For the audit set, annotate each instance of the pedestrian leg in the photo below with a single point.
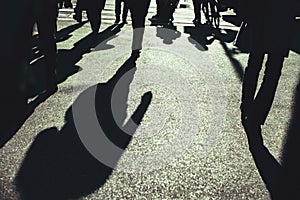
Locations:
(266, 93)
(125, 12)
(197, 11)
(117, 10)
(249, 85)
(47, 27)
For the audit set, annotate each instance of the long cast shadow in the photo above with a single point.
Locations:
(228, 37)
(199, 35)
(58, 165)
(36, 75)
(282, 180)
(60, 36)
(66, 59)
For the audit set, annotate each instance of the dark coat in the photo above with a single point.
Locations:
(271, 24)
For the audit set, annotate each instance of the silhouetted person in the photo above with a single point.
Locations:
(65, 3)
(80, 6)
(118, 11)
(45, 15)
(94, 9)
(165, 10)
(139, 11)
(197, 11)
(170, 9)
(15, 43)
(158, 10)
(15, 46)
(270, 24)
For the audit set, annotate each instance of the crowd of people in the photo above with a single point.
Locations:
(266, 39)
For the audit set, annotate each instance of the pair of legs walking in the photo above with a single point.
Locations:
(118, 4)
(46, 23)
(165, 10)
(197, 10)
(138, 10)
(256, 107)
(94, 9)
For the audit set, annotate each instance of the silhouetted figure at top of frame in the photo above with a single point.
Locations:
(164, 12)
(94, 10)
(270, 31)
(45, 15)
(65, 4)
(118, 5)
(197, 11)
(139, 11)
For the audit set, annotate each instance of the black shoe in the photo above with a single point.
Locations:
(77, 17)
(155, 18)
(117, 20)
(197, 21)
(135, 54)
(124, 21)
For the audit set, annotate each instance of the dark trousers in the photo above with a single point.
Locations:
(118, 9)
(166, 8)
(45, 15)
(47, 27)
(94, 9)
(94, 16)
(160, 5)
(260, 104)
(197, 8)
(139, 11)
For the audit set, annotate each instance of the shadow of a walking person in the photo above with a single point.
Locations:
(60, 164)
(66, 62)
(201, 36)
(281, 180)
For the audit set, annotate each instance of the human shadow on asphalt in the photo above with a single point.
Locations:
(228, 36)
(203, 35)
(167, 33)
(60, 36)
(281, 179)
(58, 164)
(65, 33)
(35, 74)
(66, 60)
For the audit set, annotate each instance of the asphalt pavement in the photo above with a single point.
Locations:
(185, 89)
